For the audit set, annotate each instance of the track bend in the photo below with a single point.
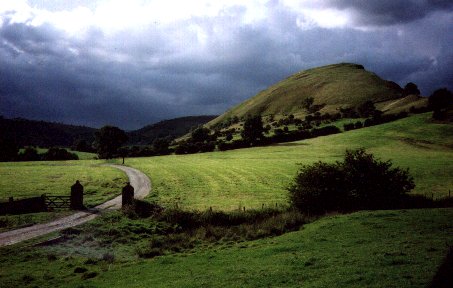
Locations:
(142, 187)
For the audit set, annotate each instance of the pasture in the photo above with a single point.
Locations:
(394, 248)
(29, 179)
(256, 176)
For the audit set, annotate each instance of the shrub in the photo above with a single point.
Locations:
(89, 275)
(374, 184)
(348, 126)
(316, 188)
(80, 270)
(359, 182)
(358, 125)
(324, 131)
(58, 154)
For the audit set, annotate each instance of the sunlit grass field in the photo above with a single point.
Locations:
(246, 177)
(256, 176)
(400, 248)
(30, 179)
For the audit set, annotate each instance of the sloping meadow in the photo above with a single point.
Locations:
(257, 177)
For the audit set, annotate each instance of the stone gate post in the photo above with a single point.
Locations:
(127, 195)
(76, 196)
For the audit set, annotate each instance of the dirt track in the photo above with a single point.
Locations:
(140, 182)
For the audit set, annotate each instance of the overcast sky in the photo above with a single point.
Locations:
(132, 63)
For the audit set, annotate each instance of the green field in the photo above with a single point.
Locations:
(247, 177)
(395, 248)
(366, 249)
(398, 248)
(256, 176)
(30, 179)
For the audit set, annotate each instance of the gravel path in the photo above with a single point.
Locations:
(140, 182)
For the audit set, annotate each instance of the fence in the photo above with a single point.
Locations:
(35, 204)
(28, 205)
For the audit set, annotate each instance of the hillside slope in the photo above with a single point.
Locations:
(172, 128)
(255, 176)
(332, 86)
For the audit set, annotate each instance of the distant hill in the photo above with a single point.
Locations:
(46, 134)
(331, 87)
(43, 134)
(168, 128)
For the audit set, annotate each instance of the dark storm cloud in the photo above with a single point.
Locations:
(203, 65)
(388, 12)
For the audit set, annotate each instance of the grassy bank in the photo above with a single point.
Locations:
(397, 248)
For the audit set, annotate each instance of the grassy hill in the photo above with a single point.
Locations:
(333, 86)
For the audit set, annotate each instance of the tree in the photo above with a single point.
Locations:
(82, 146)
(55, 153)
(253, 130)
(160, 146)
(411, 89)
(359, 182)
(8, 150)
(229, 137)
(108, 140)
(29, 154)
(307, 102)
(201, 134)
(440, 100)
(123, 152)
(366, 109)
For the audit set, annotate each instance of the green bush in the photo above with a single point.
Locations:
(359, 182)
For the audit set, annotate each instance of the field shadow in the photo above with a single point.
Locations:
(444, 275)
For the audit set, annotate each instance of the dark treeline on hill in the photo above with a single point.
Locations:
(25, 132)
(11, 152)
(43, 134)
(172, 128)
(254, 132)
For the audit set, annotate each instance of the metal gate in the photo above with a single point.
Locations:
(57, 201)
